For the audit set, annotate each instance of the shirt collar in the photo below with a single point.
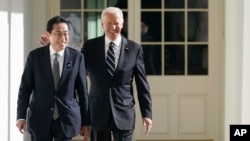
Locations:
(52, 51)
(117, 41)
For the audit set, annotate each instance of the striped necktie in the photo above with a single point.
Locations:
(110, 61)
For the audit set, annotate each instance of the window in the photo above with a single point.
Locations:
(174, 33)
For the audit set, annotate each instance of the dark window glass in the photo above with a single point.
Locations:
(174, 60)
(174, 3)
(123, 4)
(70, 4)
(152, 26)
(152, 59)
(147, 4)
(124, 31)
(197, 26)
(93, 4)
(174, 26)
(197, 3)
(197, 59)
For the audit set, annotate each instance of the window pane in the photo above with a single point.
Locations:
(75, 26)
(174, 60)
(197, 3)
(197, 26)
(198, 59)
(92, 25)
(94, 4)
(123, 4)
(70, 4)
(174, 3)
(150, 4)
(124, 31)
(152, 59)
(151, 26)
(174, 26)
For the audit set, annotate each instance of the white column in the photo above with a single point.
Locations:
(237, 67)
(16, 62)
(16, 28)
(233, 66)
(246, 62)
(4, 75)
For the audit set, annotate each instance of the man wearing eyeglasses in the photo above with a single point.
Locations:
(55, 75)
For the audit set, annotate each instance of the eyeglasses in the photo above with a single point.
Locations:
(59, 34)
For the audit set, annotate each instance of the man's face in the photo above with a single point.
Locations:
(112, 25)
(59, 36)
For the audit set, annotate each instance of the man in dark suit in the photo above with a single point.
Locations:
(112, 104)
(43, 97)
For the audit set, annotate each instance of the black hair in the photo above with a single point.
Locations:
(56, 20)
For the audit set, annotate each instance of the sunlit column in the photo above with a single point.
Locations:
(4, 75)
(246, 63)
(232, 66)
(16, 63)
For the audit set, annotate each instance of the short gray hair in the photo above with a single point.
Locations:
(114, 10)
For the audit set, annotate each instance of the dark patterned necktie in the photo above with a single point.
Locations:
(110, 61)
(56, 72)
(56, 77)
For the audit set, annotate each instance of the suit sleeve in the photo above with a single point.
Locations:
(143, 90)
(25, 89)
(84, 52)
(81, 86)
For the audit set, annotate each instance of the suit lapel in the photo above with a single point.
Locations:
(100, 54)
(47, 71)
(67, 65)
(102, 51)
(123, 51)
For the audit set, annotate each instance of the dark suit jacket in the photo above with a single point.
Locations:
(71, 96)
(116, 94)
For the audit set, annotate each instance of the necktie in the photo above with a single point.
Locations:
(56, 77)
(56, 72)
(110, 61)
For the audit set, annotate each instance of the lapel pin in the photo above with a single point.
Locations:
(69, 64)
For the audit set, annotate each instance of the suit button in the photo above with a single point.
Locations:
(51, 109)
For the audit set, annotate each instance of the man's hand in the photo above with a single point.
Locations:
(44, 39)
(85, 132)
(21, 125)
(148, 123)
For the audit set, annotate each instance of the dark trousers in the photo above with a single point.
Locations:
(101, 135)
(56, 133)
(105, 135)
